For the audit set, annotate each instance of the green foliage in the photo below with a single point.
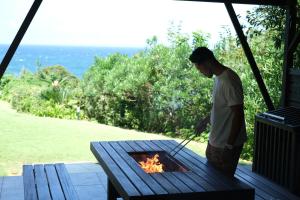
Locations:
(272, 19)
(157, 90)
(51, 91)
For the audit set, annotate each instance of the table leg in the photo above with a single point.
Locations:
(112, 194)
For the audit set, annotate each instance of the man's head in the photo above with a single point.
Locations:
(203, 59)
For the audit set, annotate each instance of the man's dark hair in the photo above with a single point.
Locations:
(201, 54)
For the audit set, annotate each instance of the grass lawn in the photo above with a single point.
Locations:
(29, 139)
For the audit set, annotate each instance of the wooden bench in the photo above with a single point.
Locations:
(47, 181)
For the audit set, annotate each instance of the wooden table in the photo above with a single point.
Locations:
(128, 180)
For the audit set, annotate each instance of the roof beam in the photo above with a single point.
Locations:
(250, 56)
(21, 32)
(254, 2)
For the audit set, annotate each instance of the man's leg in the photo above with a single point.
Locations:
(227, 165)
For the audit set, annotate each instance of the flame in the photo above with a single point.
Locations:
(152, 164)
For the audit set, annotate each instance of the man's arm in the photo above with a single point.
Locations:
(237, 122)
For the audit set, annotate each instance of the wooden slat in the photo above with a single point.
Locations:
(201, 172)
(182, 186)
(267, 183)
(235, 184)
(172, 189)
(134, 146)
(259, 189)
(189, 182)
(207, 186)
(194, 178)
(146, 146)
(209, 174)
(156, 187)
(29, 183)
(41, 182)
(54, 184)
(66, 184)
(135, 179)
(236, 189)
(169, 187)
(274, 141)
(115, 174)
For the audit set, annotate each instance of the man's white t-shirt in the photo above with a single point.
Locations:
(227, 91)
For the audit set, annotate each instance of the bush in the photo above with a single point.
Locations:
(156, 90)
(51, 91)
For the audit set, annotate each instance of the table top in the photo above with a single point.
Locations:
(201, 180)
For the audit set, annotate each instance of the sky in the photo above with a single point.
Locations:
(121, 23)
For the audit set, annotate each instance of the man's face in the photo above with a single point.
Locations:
(204, 69)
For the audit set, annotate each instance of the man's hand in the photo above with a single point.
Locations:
(202, 124)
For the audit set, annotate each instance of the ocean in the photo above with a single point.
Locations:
(74, 58)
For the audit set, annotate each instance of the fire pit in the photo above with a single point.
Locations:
(145, 170)
(157, 162)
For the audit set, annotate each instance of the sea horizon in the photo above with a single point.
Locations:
(76, 59)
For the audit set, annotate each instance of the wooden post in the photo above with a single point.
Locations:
(112, 194)
(249, 56)
(14, 45)
(290, 28)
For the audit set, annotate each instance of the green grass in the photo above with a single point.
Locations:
(29, 139)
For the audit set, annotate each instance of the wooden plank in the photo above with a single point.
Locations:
(169, 176)
(198, 179)
(189, 182)
(267, 183)
(133, 145)
(66, 183)
(180, 185)
(113, 171)
(127, 169)
(156, 187)
(29, 183)
(209, 174)
(259, 191)
(257, 197)
(172, 189)
(41, 182)
(233, 187)
(168, 186)
(201, 173)
(235, 184)
(146, 145)
(54, 184)
(189, 178)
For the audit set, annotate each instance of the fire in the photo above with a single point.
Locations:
(152, 164)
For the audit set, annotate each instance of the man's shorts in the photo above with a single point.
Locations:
(225, 161)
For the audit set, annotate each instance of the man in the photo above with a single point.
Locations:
(228, 132)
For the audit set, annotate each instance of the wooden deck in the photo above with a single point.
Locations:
(90, 182)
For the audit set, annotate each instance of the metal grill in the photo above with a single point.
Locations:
(277, 147)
